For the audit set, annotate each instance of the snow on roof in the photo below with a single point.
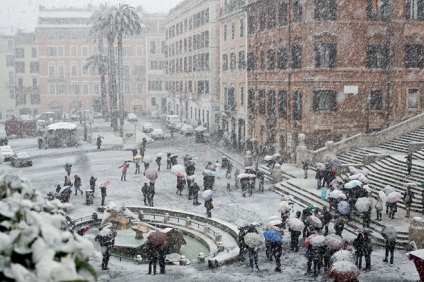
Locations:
(65, 14)
(62, 125)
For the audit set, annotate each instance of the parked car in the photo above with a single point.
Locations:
(21, 159)
(157, 133)
(97, 115)
(178, 126)
(187, 129)
(7, 152)
(132, 117)
(147, 127)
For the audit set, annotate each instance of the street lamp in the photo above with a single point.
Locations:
(367, 129)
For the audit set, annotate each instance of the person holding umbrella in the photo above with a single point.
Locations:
(253, 242)
(150, 194)
(195, 193)
(389, 234)
(358, 244)
(153, 256)
(93, 184)
(124, 167)
(367, 250)
(273, 241)
(180, 183)
(159, 161)
(408, 197)
(338, 225)
(106, 238)
(207, 197)
(326, 218)
(103, 191)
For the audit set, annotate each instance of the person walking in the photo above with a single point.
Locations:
(195, 190)
(137, 166)
(145, 191)
(168, 161)
(318, 177)
(209, 207)
(77, 184)
(106, 238)
(326, 218)
(261, 178)
(408, 164)
(253, 257)
(68, 168)
(408, 197)
(103, 194)
(276, 252)
(67, 182)
(358, 244)
(392, 209)
(99, 142)
(134, 152)
(124, 167)
(150, 194)
(236, 181)
(153, 256)
(40, 143)
(390, 248)
(294, 240)
(142, 150)
(93, 184)
(158, 161)
(367, 249)
(305, 168)
(162, 255)
(366, 218)
(180, 184)
(338, 225)
(379, 208)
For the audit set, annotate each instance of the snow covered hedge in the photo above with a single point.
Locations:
(32, 245)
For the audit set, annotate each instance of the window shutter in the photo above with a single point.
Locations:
(333, 100)
(317, 56)
(316, 101)
(333, 55)
(408, 9)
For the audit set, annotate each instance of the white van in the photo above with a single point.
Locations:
(171, 120)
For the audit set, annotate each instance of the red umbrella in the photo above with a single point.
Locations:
(308, 240)
(180, 174)
(334, 242)
(105, 183)
(151, 174)
(157, 238)
(343, 271)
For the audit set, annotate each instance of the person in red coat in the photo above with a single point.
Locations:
(124, 167)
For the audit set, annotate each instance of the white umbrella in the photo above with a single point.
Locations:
(147, 159)
(207, 195)
(363, 179)
(364, 171)
(253, 240)
(159, 155)
(246, 175)
(191, 177)
(275, 222)
(268, 158)
(177, 168)
(342, 255)
(295, 224)
(318, 241)
(367, 187)
(352, 169)
(200, 128)
(362, 204)
(336, 194)
(394, 197)
(355, 176)
(314, 221)
(320, 166)
(382, 195)
(283, 206)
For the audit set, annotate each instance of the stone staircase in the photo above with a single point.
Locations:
(354, 156)
(401, 144)
(305, 197)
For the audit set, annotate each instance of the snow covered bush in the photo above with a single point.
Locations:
(32, 245)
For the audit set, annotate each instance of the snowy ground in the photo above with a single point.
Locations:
(229, 206)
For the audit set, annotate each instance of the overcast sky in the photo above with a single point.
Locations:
(23, 13)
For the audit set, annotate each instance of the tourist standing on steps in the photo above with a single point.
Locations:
(326, 218)
(124, 167)
(408, 197)
(358, 244)
(318, 177)
(379, 208)
(408, 164)
(145, 191)
(367, 251)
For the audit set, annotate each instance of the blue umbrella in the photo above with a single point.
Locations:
(214, 173)
(343, 207)
(273, 235)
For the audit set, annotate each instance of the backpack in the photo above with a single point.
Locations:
(407, 199)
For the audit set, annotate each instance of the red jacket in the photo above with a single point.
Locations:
(124, 167)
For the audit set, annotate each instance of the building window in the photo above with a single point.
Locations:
(34, 52)
(73, 51)
(281, 58)
(261, 102)
(11, 94)
(241, 27)
(414, 9)
(96, 88)
(233, 30)
(34, 67)
(325, 55)
(11, 78)
(271, 59)
(262, 59)
(378, 10)
(20, 67)
(241, 60)
(10, 61)
(271, 16)
(51, 52)
(224, 62)
(251, 24)
(413, 96)
(60, 51)
(251, 101)
(297, 105)
(225, 32)
(84, 51)
(19, 53)
(60, 89)
(233, 61)
(74, 70)
(377, 56)
(250, 61)
(127, 89)
(52, 89)
(262, 21)
(325, 10)
(51, 72)
(282, 14)
(61, 71)
(34, 82)
(153, 101)
(376, 101)
(297, 56)
(297, 10)
(152, 47)
(85, 89)
(74, 89)
(414, 56)
(325, 100)
(241, 95)
(282, 104)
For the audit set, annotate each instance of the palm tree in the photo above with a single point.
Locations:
(103, 26)
(127, 23)
(100, 61)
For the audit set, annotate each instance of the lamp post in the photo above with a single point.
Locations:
(367, 129)
(85, 127)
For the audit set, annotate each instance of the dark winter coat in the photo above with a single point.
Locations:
(145, 189)
(367, 246)
(180, 183)
(158, 160)
(326, 218)
(93, 181)
(195, 189)
(77, 181)
(305, 213)
(103, 191)
(208, 204)
(408, 200)
(358, 244)
(339, 224)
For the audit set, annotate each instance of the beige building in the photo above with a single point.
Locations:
(233, 74)
(7, 74)
(192, 42)
(26, 74)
